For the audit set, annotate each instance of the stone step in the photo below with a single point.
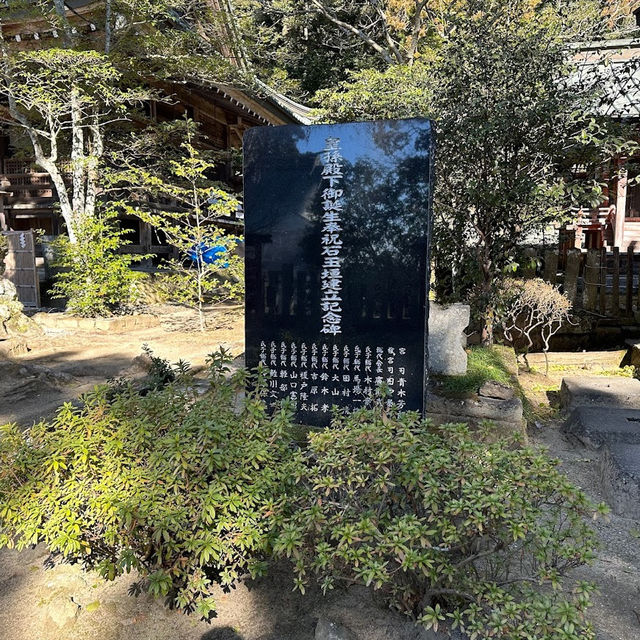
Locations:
(582, 359)
(596, 426)
(506, 415)
(602, 391)
(620, 478)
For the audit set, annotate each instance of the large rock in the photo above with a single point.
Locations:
(8, 289)
(601, 391)
(634, 351)
(12, 321)
(620, 478)
(447, 340)
(595, 426)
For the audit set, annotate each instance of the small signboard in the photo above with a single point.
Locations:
(337, 224)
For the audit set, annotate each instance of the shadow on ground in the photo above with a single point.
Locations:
(226, 633)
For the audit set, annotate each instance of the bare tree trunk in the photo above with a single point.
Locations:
(95, 153)
(66, 209)
(61, 10)
(78, 169)
(107, 27)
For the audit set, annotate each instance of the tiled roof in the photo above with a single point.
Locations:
(611, 68)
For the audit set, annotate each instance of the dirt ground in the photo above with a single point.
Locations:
(64, 603)
(63, 363)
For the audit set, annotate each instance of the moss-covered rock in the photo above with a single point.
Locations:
(12, 319)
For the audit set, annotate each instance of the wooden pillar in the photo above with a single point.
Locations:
(629, 289)
(621, 203)
(603, 281)
(551, 266)
(615, 288)
(592, 279)
(571, 274)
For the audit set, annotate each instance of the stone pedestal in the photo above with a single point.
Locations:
(447, 340)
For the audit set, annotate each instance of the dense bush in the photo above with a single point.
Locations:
(95, 277)
(196, 488)
(447, 527)
(178, 485)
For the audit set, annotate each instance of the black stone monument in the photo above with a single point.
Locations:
(337, 223)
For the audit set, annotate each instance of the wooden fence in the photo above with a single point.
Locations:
(597, 281)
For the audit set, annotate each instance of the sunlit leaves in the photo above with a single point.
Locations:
(173, 483)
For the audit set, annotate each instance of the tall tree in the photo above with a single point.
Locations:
(63, 100)
(512, 120)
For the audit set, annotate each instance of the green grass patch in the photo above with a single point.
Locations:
(485, 364)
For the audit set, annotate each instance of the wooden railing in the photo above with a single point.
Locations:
(25, 188)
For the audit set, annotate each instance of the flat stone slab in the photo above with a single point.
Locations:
(584, 359)
(595, 426)
(600, 391)
(620, 478)
(114, 325)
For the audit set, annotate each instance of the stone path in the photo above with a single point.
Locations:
(604, 414)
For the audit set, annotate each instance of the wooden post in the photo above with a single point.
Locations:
(615, 292)
(621, 203)
(638, 299)
(21, 267)
(591, 279)
(629, 289)
(571, 274)
(551, 266)
(603, 281)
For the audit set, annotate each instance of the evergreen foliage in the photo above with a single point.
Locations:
(94, 276)
(195, 489)
(448, 528)
(171, 483)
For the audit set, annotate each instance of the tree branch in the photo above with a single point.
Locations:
(350, 29)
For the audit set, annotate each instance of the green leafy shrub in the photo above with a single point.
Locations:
(179, 485)
(94, 277)
(447, 527)
(4, 251)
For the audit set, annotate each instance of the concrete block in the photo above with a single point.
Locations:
(620, 478)
(603, 391)
(595, 426)
(447, 340)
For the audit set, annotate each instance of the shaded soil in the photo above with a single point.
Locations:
(65, 603)
(616, 570)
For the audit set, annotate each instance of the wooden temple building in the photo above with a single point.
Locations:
(615, 224)
(27, 195)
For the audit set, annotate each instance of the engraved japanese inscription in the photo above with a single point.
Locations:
(337, 238)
